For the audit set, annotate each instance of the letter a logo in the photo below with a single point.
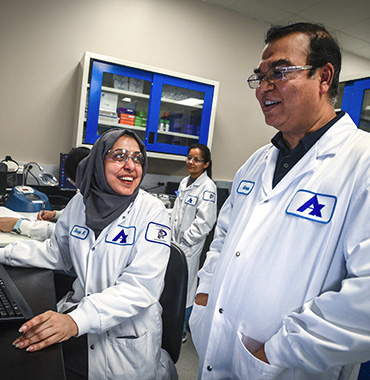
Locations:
(314, 205)
(121, 237)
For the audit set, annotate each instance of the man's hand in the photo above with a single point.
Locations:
(46, 329)
(260, 354)
(7, 224)
(201, 299)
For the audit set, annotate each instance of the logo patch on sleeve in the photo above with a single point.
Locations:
(209, 196)
(309, 205)
(158, 233)
(191, 200)
(79, 232)
(245, 187)
(121, 235)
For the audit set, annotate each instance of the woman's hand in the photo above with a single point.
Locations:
(46, 215)
(7, 224)
(46, 329)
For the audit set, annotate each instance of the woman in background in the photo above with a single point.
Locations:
(194, 215)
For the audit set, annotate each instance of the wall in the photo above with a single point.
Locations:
(42, 42)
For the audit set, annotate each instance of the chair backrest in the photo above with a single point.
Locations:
(173, 301)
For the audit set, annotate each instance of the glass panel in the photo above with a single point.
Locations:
(124, 104)
(180, 116)
(365, 112)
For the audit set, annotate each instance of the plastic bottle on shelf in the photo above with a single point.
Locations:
(161, 125)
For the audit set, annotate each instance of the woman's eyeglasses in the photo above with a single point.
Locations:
(121, 156)
(195, 159)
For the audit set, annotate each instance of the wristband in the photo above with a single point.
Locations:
(17, 225)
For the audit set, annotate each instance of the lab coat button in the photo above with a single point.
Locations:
(209, 368)
(93, 248)
(220, 310)
(237, 254)
(266, 200)
(92, 346)
(286, 166)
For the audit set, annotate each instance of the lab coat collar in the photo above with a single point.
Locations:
(198, 181)
(328, 144)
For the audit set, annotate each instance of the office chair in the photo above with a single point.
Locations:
(173, 301)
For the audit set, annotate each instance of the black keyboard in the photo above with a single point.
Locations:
(13, 306)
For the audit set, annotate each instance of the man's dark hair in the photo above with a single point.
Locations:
(323, 48)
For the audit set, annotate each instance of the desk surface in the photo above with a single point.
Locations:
(37, 287)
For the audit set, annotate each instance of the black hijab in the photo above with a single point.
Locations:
(103, 205)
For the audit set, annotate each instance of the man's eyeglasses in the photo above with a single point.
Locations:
(195, 159)
(276, 75)
(121, 156)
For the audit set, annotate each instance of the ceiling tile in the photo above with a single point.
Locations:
(364, 52)
(291, 6)
(338, 14)
(359, 30)
(348, 42)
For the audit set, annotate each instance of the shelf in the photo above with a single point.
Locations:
(125, 92)
(142, 129)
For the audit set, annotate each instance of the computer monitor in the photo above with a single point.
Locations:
(64, 184)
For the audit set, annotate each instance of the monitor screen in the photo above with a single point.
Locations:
(64, 184)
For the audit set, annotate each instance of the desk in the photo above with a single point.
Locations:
(37, 287)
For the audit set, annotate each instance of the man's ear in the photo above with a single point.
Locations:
(326, 78)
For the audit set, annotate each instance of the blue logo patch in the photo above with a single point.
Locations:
(79, 232)
(158, 233)
(191, 200)
(312, 206)
(245, 187)
(209, 196)
(121, 235)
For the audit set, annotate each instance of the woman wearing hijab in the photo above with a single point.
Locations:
(116, 238)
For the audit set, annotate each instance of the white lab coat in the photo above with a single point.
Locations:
(290, 267)
(120, 277)
(193, 216)
(39, 229)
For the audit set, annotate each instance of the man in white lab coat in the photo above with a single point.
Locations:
(284, 292)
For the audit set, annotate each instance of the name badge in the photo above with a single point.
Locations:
(158, 233)
(191, 200)
(121, 235)
(209, 196)
(308, 205)
(245, 187)
(79, 232)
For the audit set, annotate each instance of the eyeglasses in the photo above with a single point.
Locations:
(276, 75)
(121, 156)
(195, 159)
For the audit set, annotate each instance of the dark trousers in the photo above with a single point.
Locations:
(75, 358)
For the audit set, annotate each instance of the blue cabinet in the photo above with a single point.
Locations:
(356, 101)
(169, 111)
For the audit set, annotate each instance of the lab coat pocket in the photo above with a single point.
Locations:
(131, 357)
(247, 366)
(196, 322)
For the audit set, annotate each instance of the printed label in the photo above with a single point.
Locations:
(309, 205)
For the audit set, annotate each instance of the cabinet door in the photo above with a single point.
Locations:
(119, 97)
(356, 101)
(180, 114)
